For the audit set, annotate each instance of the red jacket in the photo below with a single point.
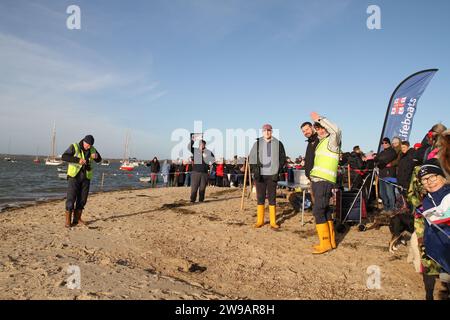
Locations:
(219, 170)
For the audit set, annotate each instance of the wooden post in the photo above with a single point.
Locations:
(376, 191)
(245, 183)
(349, 178)
(103, 179)
(303, 206)
(250, 180)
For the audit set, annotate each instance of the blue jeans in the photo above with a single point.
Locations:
(187, 182)
(387, 194)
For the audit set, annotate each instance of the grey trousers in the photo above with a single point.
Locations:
(199, 180)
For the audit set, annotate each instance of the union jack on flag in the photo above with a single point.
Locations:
(399, 106)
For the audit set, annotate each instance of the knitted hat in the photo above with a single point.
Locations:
(430, 167)
(89, 139)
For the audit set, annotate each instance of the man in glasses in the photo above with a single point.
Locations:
(387, 173)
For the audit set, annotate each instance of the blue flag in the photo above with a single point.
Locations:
(403, 105)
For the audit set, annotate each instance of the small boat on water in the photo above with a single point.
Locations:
(53, 162)
(9, 159)
(105, 163)
(127, 166)
(62, 176)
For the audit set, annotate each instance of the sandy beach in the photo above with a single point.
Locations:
(153, 244)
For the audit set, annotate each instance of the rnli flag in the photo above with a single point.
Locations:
(403, 105)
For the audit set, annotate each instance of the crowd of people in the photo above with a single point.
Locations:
(177, 173)
(413, 183)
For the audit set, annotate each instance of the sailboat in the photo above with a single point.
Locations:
(36, 159)
(8, 158)
(126, 164)
(51, 160)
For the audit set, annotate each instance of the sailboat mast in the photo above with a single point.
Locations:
(9, 146)
(125, 151)
(54, 141)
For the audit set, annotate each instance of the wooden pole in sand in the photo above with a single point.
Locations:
(245, 183)
(250, 181)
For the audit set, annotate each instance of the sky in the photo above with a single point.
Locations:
(153, 68)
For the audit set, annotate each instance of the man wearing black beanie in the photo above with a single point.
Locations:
(80, 157)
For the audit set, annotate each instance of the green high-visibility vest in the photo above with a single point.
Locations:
(74, 168)
(325, 162)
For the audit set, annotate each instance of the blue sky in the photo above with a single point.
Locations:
(155, 66)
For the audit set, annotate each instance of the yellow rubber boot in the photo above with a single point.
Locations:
(259, 216)
(324, 236)
(273, 217)
(332, 234)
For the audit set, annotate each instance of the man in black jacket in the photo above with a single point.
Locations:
(79, 174)
(267, 158)
(387, 173)
(405, 167)
(199, 176)
(312, 139)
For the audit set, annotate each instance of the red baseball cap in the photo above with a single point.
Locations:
(267, 127)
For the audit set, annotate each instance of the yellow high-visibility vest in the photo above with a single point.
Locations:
(74, 168)
(325, 162)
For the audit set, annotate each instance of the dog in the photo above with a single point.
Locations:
(381, 219)
(401, 226)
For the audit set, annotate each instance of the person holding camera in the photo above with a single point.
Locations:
(387, 174)
(203, 158)
(80, 157)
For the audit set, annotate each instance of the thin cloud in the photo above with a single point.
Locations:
(158, 95)
(95, 84)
